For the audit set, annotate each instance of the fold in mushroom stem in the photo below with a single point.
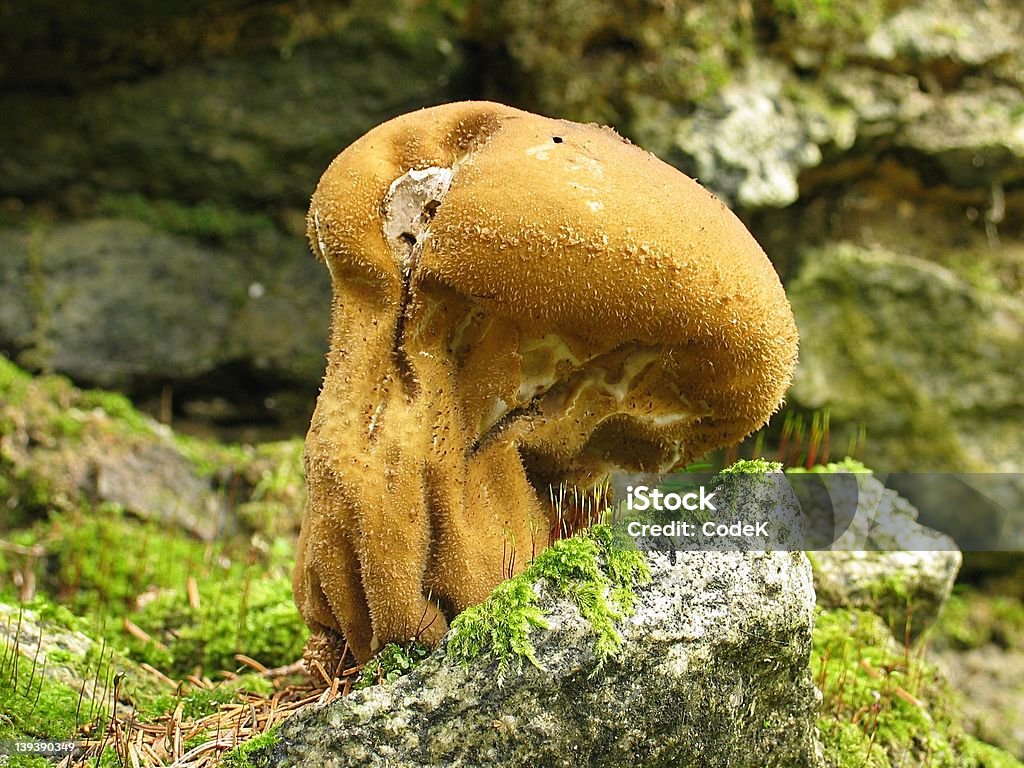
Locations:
(518, 302)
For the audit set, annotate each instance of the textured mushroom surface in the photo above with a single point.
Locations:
(518, 301)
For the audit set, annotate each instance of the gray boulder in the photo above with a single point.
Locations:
(713, 670)
(887, 562)
(115, 301)
(928, 362)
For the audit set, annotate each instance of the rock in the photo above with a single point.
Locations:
(887, 562)
(712, 671)
(145, 472)
(976, 135)
(64, 448)
(25, 630)
(69, 659)
(982, 511)
(154, 481)
(927, 362)
(947, 31)
(116, 302)
(749, 143)
(236, 129)
(990, 680)
(979, 646)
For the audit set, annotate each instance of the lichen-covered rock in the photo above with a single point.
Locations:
(927, 361)
(751, 143)
(886, 561)
(712, 671)
(947, 31)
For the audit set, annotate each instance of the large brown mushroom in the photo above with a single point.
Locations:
(518, 301)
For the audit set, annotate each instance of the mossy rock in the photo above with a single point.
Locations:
(928, 363)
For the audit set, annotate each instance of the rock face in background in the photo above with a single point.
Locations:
(880, 138)
(154, 181)
(726, 634)
(932, 359)
(112, 300)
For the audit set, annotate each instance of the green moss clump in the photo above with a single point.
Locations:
(846, 465)
(391, 663)
(101, 559)
(500, 626)
(13, 380)
(971, 619)
(977, 754)
(247, 755)
(881, 706)
(751, 467)
(590, 569)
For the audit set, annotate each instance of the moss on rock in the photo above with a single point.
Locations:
(588, 568)
(884, 705)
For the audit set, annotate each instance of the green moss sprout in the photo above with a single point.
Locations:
(588, 568)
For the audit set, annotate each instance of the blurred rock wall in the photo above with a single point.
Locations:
(157, 161)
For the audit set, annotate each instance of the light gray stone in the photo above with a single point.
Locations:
(887, 562)
(712, 671)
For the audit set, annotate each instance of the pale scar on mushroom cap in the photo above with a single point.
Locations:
(518, 301)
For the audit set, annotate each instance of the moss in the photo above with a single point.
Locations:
(758, 466)
(883, 706)
(247, 613)
(589, 569)
(116, 406)
(248, 755)
(35, 705)
(108, 565)
(392, 662)
(500, 626)
(101, 559)
(977, 754)
(205, 221)
(13, 381)
(751, 467)
(971, 619)
(832, 26)
(846, 465)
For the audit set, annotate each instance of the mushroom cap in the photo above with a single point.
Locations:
(581, 239)
(518, 301)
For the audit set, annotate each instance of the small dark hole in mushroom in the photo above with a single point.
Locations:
(431, 208)
(408, 238)
(557, 139)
